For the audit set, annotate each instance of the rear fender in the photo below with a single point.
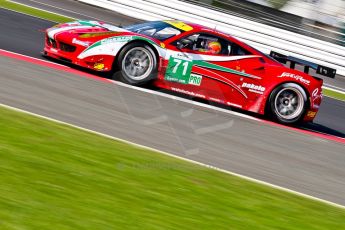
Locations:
(269, 90)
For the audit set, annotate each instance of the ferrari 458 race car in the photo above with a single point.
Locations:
(194, 60)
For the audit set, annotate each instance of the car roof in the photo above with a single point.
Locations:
(194, 25)
(198, 27)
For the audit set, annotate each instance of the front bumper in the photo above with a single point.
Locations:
(66, 52)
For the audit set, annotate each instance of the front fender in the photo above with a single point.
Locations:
(112, 45)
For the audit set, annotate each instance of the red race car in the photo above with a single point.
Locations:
(194, 60)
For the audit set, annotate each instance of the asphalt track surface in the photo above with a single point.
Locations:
(274, 154)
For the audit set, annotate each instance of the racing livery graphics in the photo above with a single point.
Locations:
(194, 60)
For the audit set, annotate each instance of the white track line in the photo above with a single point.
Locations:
(334, 88)
(59, 8)
(178, 157)
(26, 56)
(19, 12)
(58, 14)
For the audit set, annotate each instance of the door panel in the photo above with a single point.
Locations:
(215, 76)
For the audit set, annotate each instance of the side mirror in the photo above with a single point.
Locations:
(183, 43)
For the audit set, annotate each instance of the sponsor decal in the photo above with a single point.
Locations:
(296, 77)
(316, 93)
(180, 25)
(316, 96)
(195, 79)
(254, 88)
(116, 39)
(98, 66)
(311, 114)
(179, 70)
(188, 92)
(78, 42)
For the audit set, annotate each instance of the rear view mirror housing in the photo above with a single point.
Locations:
(183, 43)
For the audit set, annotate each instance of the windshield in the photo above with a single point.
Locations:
(159, 30)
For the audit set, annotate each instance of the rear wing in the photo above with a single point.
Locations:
(323, 70)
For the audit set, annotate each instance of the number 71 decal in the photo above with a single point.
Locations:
(179, 70)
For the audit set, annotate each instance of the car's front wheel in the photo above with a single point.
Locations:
(137, 64)
(288, 103)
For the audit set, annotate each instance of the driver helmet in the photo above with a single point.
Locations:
(214, 47)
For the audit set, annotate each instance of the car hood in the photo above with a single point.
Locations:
(84, 29)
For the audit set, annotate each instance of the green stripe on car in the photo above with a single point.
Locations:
(219, 68)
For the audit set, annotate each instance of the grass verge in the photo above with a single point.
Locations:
(34, 12)
(57, 177)
(333, 94)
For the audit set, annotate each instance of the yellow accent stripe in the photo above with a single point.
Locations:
(180, 25)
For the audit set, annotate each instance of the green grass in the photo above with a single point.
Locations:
(334, 94)
(57, 177)
(34, 12)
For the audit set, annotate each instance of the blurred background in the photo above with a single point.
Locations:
(322, 19)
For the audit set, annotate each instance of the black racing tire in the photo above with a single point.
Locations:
(136, 64)
(287, 103)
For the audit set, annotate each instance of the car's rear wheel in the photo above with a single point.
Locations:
(288, 103)
(137, 64)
